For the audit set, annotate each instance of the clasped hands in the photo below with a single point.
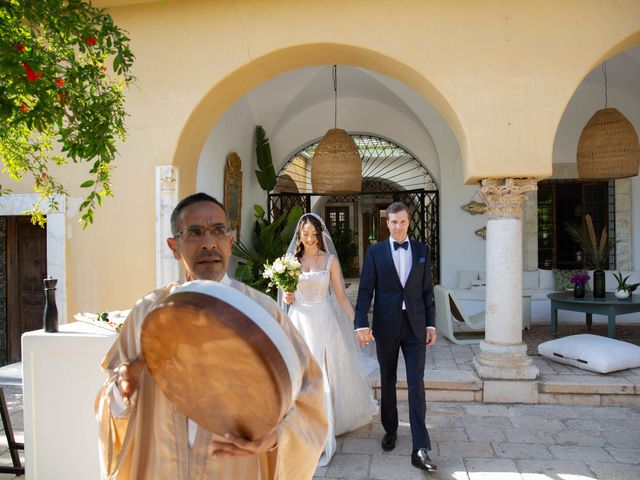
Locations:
(127, 383)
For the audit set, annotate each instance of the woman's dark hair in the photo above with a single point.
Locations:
(313, 220)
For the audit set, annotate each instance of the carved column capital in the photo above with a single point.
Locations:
(505, 197)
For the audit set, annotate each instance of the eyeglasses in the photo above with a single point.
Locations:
(194, 233)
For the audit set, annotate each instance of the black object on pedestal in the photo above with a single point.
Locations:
(50, 317)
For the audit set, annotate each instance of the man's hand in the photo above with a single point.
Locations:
(364, 336)
(233, 446)
(431, 336)
(128, 379)
(289, 297)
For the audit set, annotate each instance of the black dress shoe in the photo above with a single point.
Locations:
(389, 441)
(420, 458)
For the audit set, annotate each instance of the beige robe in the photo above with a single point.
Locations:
(149, 441)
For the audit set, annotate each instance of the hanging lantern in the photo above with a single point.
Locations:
(336, 167)
(608, 147)
(286, 184)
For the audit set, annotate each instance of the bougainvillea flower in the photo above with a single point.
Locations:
(24, 107)
(19, 46)
(32, 76)
(60, 82)
(91, 40)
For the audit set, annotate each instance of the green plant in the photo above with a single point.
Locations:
(622, 283)
(585, 236)
(346, 248)
(64, 66)
(270, 241)
(265, 174)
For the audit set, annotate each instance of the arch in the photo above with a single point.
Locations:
(226, 92)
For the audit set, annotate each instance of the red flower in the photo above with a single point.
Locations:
(43, 176)
(24, 107)
(60, 82)
(31, 75)
(91, 40)
(19, 47)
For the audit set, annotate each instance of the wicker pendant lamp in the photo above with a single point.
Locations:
(336, 167)
(608, 147)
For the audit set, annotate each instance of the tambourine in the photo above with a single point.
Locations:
(221, 359)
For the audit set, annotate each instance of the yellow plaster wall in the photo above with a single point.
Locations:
(500, 72)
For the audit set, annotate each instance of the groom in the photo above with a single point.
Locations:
(398, 272)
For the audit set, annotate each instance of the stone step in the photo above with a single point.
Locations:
(467, 386)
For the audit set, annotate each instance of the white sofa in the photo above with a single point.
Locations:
(537, 283)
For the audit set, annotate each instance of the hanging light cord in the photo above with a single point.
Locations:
(334, 76)
(604, 71)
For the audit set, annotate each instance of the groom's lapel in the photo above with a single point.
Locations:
(415, 258)
(388, 259)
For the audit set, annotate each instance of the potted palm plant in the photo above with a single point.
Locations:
(598, 252)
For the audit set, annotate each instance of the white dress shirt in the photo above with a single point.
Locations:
(402, 261)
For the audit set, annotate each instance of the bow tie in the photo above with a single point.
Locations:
(397, 245)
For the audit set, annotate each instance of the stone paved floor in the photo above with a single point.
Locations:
(474, 441)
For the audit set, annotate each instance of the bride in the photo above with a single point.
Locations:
(324, 316)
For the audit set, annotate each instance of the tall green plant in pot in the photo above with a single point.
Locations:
(598, 252)
(270, 239)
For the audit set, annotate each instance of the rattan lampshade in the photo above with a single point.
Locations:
(608, 147)
(336, 167)
(286, 184)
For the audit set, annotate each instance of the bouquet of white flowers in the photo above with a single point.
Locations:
(283, 273)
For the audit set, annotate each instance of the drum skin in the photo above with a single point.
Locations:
(222, 368)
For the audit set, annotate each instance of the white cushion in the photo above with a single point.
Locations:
(546, 280)
(465, 278)
(592, 352)
(530, 280)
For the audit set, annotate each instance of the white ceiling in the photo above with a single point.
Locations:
(623, 73)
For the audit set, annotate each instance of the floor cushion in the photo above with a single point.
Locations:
(592, 352)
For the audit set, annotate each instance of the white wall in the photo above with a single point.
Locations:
(235, 132)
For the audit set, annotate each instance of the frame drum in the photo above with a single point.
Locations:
(221, 359)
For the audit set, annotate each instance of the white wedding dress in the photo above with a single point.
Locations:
(348, 396)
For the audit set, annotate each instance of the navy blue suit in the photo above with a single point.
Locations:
(395, 329)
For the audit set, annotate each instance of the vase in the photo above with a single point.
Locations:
(50, 317)
(622, 294)
(598, 284)
(578, 291)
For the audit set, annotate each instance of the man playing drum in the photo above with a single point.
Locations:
(150, 438)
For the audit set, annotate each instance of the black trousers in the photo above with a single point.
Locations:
(414, 352)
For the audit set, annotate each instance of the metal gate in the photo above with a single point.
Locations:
(423, 206)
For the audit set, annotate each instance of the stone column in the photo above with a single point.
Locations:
(503, 363)
(167, 269)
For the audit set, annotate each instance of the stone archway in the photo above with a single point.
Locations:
(224, 94)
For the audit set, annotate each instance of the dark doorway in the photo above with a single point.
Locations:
(22, 269)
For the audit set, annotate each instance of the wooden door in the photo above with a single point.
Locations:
(26, 268)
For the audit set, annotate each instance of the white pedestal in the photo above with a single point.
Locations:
(61, 376)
